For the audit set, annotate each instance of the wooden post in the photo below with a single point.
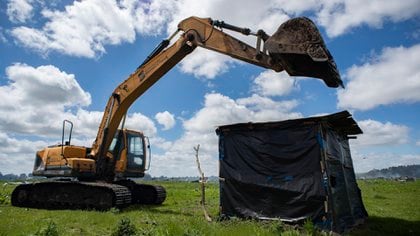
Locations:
(202, 182)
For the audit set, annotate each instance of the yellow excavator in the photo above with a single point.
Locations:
(97, 177)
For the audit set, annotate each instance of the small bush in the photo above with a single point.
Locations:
(50, 230)
(125, 228)
(5, 195)
(309, 227)
(276, 227)
(4, 199)
(192, 232)
(115, 210)
(147, 232)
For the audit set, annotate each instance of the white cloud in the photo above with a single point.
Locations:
(298, 7)
(200, 129)
(150, 17)
(392, 77)
(265, 109)
(166, 119)
(17, 155)
(19, 11)
(159, 142)
(85, 122)
(205, 64)
(16, 146)
(221, 110)
(138, 121)
(374, 149)
(82, 29)
(271, 22)
(270, 83)
(39, 85)
(339, 16)
(364, 162)
(36, 99)
(222, 10)
(376, 133)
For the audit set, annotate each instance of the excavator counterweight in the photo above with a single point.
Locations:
(299, 47)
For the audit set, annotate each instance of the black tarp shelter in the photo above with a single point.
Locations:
(291, 170)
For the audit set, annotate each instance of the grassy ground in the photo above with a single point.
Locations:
(392, 206)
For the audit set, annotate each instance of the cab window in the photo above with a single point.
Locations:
(135, 151)
(115, 146)
(113, 143)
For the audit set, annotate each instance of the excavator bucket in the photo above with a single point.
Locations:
(299, 47)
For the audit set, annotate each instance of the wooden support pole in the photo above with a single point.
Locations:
(202, 182)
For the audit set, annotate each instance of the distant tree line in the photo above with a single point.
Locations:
(14, 177)
(184, 179)
(412, 171)
(23, 177)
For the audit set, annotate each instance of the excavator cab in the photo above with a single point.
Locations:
(131, 150)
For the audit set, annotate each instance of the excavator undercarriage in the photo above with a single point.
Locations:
(73, 194)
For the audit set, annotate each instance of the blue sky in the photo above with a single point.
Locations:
(62, 59)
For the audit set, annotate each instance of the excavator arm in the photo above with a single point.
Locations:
(206, 33)
(126, 93)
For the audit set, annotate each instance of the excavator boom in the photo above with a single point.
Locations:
(125, 94)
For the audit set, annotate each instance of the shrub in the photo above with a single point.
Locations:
(5, 195)
(4, 199)
(125, 228)
(50, 230)
(115, 210)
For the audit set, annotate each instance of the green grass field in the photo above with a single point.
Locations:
(393, 208)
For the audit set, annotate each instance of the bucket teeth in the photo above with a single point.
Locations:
(298, 46)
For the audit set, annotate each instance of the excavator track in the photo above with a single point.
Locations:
(71, 195)
(144, 193)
